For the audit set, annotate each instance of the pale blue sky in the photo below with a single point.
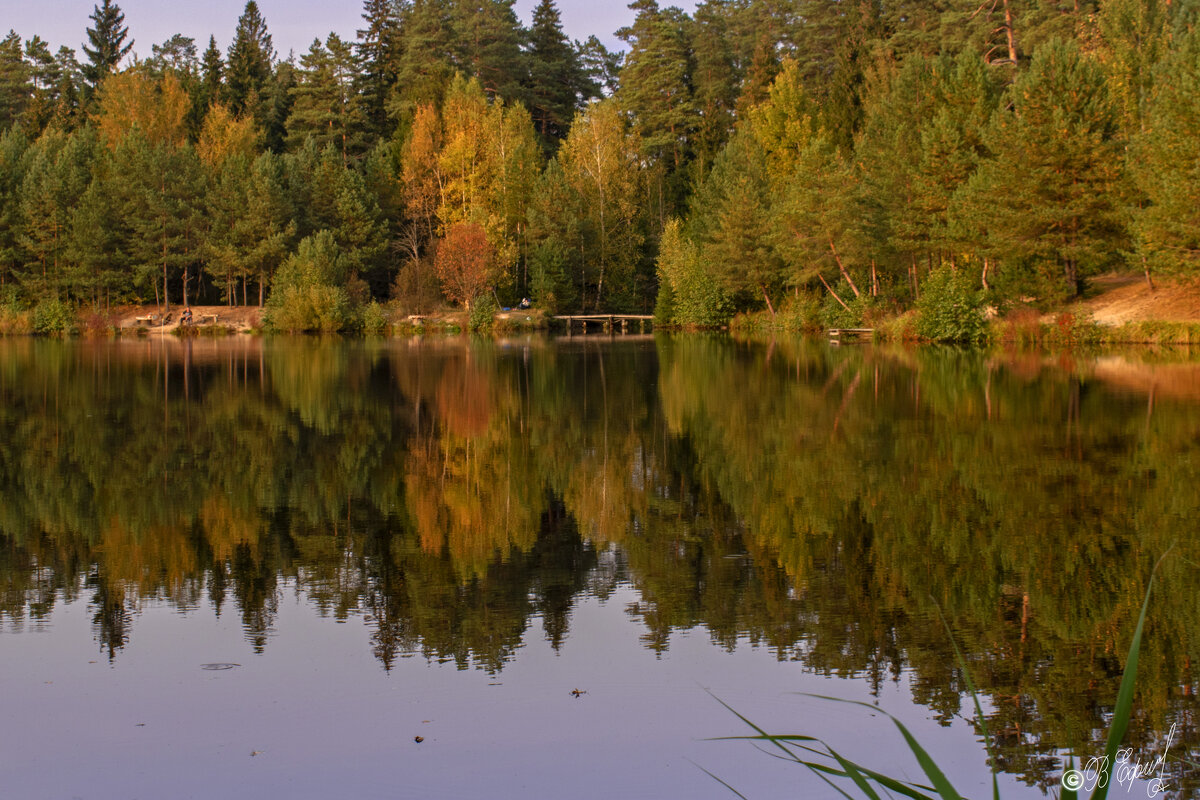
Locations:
(292, 23)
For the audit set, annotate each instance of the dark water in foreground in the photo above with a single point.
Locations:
(542, 557)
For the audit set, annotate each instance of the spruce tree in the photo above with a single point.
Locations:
(107, 39)
(248, 68)
(67, 92)
(490, 39)
(212, 72)
(379, 52)
(556, 78)
(427, 60)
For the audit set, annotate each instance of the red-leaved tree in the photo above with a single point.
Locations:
(463, 262)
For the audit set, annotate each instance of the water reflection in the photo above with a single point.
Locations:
(825, 503)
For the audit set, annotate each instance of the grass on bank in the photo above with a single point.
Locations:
(829, 765)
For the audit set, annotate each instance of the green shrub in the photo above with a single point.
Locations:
(308, 308)
(483, 311)
(372, 319)
(835, 315)
(800, 312)
(53, 317)
(309, 292)
(950, 308)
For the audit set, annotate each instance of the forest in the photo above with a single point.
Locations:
(800, 159)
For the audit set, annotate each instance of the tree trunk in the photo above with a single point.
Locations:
(767, 297)
(1008, 33)
(1146, 270)
(842, 268)
(832, 292)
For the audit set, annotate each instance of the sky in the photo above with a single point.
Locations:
(293, 24)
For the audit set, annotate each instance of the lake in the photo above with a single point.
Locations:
(453, 568)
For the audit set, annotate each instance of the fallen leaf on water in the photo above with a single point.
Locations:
(418, 739)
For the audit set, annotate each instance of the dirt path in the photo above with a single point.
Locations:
(1116, 299)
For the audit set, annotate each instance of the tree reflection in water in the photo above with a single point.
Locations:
(824, 503)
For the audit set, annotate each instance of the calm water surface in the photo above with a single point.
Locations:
(547, 559)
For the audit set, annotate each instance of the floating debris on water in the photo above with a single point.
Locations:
(219, 666)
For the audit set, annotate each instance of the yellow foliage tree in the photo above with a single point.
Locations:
(133, 99)
(224, 135)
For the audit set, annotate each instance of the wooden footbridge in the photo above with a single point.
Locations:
(608, 323)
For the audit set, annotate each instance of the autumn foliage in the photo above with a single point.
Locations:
(463, 262)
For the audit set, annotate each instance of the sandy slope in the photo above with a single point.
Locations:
(240, 318)
(1115, 299)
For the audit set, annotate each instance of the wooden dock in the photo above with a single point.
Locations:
(841, 334)
(609, 323)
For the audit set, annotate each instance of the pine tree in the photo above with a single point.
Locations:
(57, 175)
(16, 89)
(715, 85)
(656, 83)
(1135, 39)
(1165, 163)
(164, 205)
(1047, 205)
(248, 65)
(95, 239)
(45, 77)
(14, 144)
(601, 69)
(732, 223)
(326, 105)
(177, 55)
(107, 39)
